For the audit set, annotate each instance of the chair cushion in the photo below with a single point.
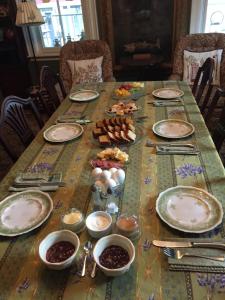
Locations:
(86, 70)
(193, 60)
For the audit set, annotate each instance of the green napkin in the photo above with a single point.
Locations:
(197, 264)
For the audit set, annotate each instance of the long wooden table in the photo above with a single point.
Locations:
(23, 276)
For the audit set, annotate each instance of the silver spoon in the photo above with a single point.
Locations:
(87, 248)
(93, 272)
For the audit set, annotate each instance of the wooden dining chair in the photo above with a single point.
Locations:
(52, 91)
(219, 131)
(13, 117)
(203, 82)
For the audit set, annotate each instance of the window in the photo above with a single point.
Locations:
(215, 21)
(207, 16)
(65, 20)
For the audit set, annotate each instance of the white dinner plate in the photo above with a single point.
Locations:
(173, 128)
(63, 132)
(167, 93)
(84, 95)
(23, 212)
(189, 209)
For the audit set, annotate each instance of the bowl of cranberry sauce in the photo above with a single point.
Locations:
(114, 254)
(58, 249)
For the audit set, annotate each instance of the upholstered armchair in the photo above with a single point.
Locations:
(202, 42)
(82, 50)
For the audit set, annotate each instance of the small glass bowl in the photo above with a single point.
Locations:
(73, 220)
(128, 226)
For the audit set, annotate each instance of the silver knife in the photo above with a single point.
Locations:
(154, 144)
(171, 244)
(52, 188)
(176, 150)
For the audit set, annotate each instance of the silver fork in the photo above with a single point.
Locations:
(178, 254)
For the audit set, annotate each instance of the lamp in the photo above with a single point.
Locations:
(29, 15)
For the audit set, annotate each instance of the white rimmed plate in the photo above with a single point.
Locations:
(189, 209)
(63, 132)
(173, 128)
(167, 93)
(84, 95)
(23, 212)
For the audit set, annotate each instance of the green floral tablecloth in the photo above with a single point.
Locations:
(23, 276)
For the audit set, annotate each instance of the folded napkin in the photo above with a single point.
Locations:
(197, 264)
(168, 103)
(42, 182)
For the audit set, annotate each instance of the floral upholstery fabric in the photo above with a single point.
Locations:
(81, 50)
(198, 43)
(86, 70)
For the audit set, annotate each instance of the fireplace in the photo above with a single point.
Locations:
(143, 33)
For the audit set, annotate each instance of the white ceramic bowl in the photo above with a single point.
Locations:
(54, 237)
(94, 222)
(114, 239)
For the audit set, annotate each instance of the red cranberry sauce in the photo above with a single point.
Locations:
(59, 252)
(114, 257)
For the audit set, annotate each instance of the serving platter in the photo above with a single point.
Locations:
(173, 128)
(84, 95)
(63, 132)
(121, 112)
(189, 209)
(23, 212)
(167, 93)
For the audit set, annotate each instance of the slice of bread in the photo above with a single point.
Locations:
(99, 124)
(104, 140)
(97, 132)
(110, 128)
(128, 121)
(112, 137)
(131, 127)
(131, 135)
(117, 136)
(124, 137)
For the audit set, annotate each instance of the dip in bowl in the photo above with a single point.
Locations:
(58, 249)
(114, 254)
(99, 224)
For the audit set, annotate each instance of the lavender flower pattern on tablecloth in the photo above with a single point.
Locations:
(214, 283)
(147, 180)
(23, 286)
(146, 245)
(189, 170)
(50, 151)
(72, 113)
(40, 168)
(176, 111)
(78, 158)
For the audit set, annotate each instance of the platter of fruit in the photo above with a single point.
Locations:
(132, 90)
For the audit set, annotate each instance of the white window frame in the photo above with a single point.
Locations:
(90, 26)
(198, 16)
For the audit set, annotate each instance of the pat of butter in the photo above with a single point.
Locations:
(99, 222)
(72, 218)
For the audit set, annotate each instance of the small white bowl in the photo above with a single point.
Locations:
(118, 240)
(73, 225)
(51, 239)
(95, 222)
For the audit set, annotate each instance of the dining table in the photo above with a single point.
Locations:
(152, 275)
